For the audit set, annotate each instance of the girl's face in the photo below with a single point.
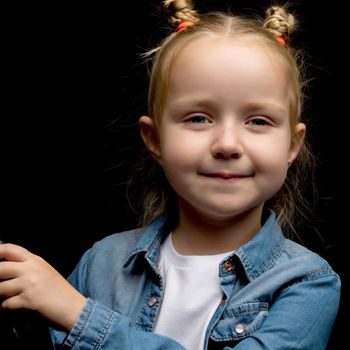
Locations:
(225, 139)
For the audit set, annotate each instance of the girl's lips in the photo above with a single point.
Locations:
(226, 176)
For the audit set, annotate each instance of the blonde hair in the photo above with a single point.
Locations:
(289, 203)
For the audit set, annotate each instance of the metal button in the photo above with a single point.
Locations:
(152, 301)
(228, 266)
(239, 328)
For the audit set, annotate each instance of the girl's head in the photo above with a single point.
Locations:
(273, 34)
(272, 37)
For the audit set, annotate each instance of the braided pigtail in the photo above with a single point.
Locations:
(180, 13)
(280, 23)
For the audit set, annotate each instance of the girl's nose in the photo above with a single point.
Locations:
(227, 144)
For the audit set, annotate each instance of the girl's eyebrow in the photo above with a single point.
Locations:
(207, 102)
(270, 106)
(184, 103)
(193, 101)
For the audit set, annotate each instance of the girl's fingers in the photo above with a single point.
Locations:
(13, 303)
(8, 290)
(8, 270)
(13, 252)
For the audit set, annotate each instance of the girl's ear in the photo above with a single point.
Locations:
(150, 137)
(297, 141)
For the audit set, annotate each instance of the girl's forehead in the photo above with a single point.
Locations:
(229, 72)
(227, 58)
(222, 48)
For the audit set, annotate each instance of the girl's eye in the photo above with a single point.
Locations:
(197, 119)
(259, 122)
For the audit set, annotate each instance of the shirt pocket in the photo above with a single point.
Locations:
(240, 321)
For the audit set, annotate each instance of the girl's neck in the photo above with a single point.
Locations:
(197, 234)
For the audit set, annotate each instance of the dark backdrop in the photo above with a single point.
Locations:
(74, 89)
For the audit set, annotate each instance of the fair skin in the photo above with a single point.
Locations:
(31, 283)
(225, 145)
(225, 141)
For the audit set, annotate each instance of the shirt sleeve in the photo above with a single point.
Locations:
(301, 317)
(99, 327)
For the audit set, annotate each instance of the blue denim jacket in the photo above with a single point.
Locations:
(277, 295)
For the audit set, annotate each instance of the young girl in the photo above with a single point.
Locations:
(210, 268)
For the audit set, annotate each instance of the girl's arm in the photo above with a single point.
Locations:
(301, 317)
(101, 328)
(29, 282)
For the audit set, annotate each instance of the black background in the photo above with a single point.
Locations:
(73, 90)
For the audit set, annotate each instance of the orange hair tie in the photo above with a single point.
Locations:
(281, 40)
(184, 25)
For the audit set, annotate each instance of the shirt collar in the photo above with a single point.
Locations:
(149, 240)
(261, 252)
(256, 256)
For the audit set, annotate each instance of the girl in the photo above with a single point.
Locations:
(210, 268)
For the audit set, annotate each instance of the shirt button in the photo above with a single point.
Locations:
(239, 328)
(152, 301)
(228, 266)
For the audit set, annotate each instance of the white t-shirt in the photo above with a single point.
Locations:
(191, 296)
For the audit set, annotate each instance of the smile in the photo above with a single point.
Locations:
(225, 176)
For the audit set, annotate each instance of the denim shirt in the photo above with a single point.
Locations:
(276, 295)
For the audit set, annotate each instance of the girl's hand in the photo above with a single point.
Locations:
(29, 282)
